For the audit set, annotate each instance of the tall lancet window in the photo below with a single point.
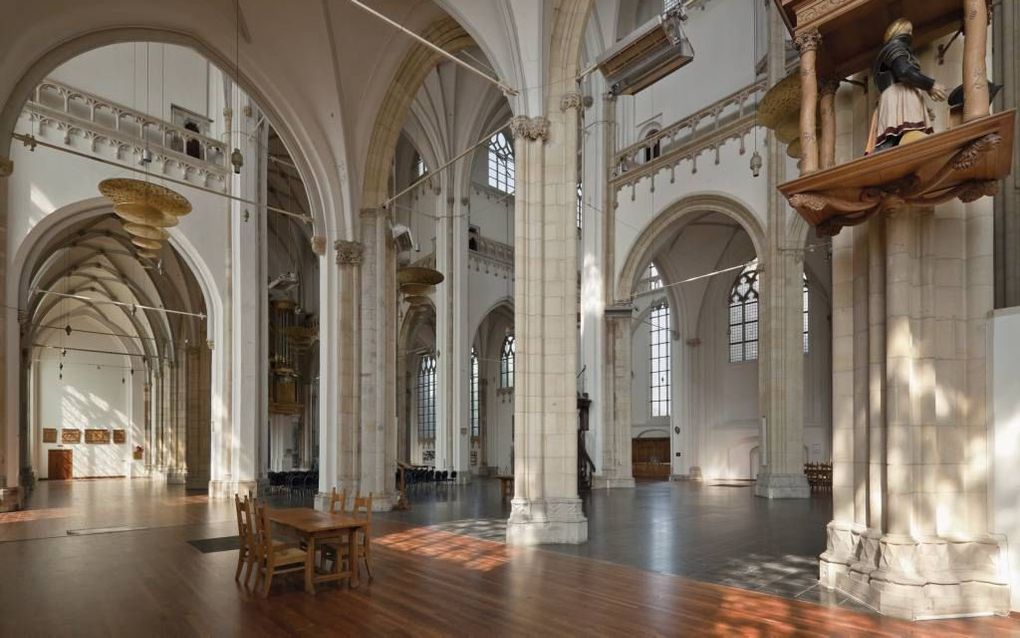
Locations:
(744, 316)
(473, 391)
(660, 377)
(806, 316)
(651, 280)
(427, 398)
(506, 363)
(501, 163)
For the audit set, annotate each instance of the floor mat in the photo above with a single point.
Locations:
(212, 545)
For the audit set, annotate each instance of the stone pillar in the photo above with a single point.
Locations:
(378, 443)
(339, 446)
(242, 437)
(615, 464)
(912, 540)
(198, 422)
(460, 346)
(1006, 71)
(446, 361)
(9, 495)
(808, 43)
(177, 470)
(546, 507)
(781, 353)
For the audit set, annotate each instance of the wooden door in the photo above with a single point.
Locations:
(60, 464)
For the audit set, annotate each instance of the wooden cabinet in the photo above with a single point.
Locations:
(60, 464)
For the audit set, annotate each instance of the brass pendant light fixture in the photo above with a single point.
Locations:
(147, 210)
(417, 283)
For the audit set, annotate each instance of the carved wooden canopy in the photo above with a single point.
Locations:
(852, 30)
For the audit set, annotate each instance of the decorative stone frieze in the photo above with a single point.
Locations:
(530, 128)
(348, 252)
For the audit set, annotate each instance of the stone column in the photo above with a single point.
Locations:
(912, 539)
(242, 437)
(446, 361)
(460, 346)
(177, 471)
(1006, 71)
(615, 463)
(9, 495)
(199, 416)
(377, 427)
(781, 351)
(339, 447)
(546, 507)
(807, 43)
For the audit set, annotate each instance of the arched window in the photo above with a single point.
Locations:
(654, 150)
(427, 398)
(419, 166)
(744, 316)
(580, 206)
(660, 376)
(506, 363)
(806, 322)
(501, 163)
(473, 392)
(651, 280)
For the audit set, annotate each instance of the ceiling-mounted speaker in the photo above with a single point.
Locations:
(652, 51)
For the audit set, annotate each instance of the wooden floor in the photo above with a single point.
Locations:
(428, 582)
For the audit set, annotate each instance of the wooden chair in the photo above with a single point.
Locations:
(275, 558)
(330, 546)
(246, 552)
(363, 549)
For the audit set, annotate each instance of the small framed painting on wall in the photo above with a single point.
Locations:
(49, 435)
(120, 436)
(97, 436)
(70, 435)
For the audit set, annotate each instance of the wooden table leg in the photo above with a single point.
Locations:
(310, 566)
(352, 555)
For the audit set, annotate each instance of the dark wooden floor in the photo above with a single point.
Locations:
(428, 582)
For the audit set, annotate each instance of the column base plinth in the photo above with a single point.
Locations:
(611, 482)
(918, 578)
(544, 521)
(782, 486)
(227, 489)
(10, 499)
(177, 477)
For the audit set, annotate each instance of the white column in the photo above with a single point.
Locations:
(241, 440)
(339, 433)
(445, 356)
(781, 355)
(546, 507)
(460, 343)
(615, 463)
(377, 427)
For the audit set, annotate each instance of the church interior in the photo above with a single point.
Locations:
(523, 317)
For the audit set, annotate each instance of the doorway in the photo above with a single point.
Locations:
(60, 466)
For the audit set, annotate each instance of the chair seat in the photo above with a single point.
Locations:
(289, 555)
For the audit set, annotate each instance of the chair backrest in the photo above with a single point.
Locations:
(265, 530)
(238, 507)
(363, 505)
(249, 524)
(338, 501)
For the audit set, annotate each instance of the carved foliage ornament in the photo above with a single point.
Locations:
(808, 41)
(348, 252)
(530, 128)
(572, 100)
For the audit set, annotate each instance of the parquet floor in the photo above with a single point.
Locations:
(428, 582)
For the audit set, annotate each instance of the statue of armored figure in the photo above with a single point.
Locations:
(902, 114)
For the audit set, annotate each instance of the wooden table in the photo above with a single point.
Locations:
(312, 525)
(506, 486)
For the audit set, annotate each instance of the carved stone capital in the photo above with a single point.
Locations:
(571, 100)
(348, 252)
(319, 245)
(808, 41)
(6, 166)
(530, 128)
